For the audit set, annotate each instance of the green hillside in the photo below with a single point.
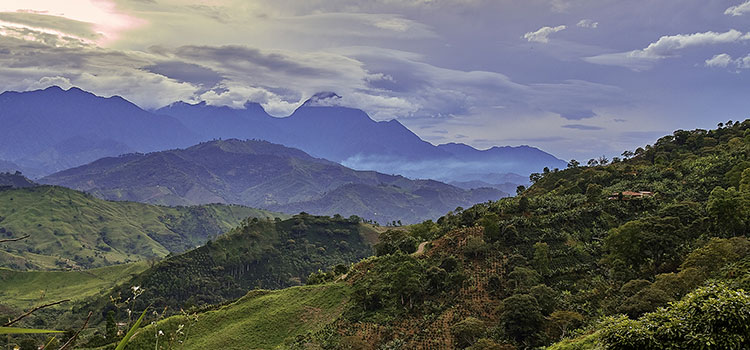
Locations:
(666, 227)
(21, 289)
(259, 254)
(259, 320)
(69, 229)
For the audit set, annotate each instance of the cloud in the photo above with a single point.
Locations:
(738, 10)
(187, 72)
(587, 23)
(542, 35)
(582, 127)
(666, 47)
(720, 60)
(725, 61)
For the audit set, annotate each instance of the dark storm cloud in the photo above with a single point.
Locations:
(238, 57)
(187, 72)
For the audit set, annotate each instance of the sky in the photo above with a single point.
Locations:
(576, 78)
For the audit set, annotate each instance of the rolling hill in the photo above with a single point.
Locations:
(70, 229)
(258, 254)
(265, 175)
(21, 289)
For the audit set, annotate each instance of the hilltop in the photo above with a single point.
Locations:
(266, 175)
(14, 180)
(70, 229)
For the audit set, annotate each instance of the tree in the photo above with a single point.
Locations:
(546, 297)
(467, 332)
(646, 243)
(573, 164)
(491, 225)
(534, 177)
(392, 241)
(560, 322)
(521, 318)
(523, 278)
(520, 189)
(745, 181)
(541, 261)
(523, 204)
(593, 193)
(475, 247)
(729, 210)
(592, 162)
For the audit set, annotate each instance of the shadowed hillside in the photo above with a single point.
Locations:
(266, 175)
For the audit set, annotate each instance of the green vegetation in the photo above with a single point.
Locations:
(21, 289)
(259, 320)
(579, 245)
(258, 254)
(648, 252)
(713, 317)
(70, 229)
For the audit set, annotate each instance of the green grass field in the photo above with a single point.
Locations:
(260, 320)
(23, 289)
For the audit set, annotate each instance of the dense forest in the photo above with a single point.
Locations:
(648, 251)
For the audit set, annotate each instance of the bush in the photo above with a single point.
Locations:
(713, 317)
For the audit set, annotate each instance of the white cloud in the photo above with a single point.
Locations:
(738, 10)
(726, 61)
(720, 60)
(542, 35)
(666, 47)
(587, 23)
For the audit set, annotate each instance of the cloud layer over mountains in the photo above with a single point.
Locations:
(483, 72)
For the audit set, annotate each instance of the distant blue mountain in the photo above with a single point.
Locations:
(350, 137)
(49, 130)
(55, 129)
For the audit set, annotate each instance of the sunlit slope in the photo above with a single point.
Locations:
(260, 320)
(71, 229)
(21, 289)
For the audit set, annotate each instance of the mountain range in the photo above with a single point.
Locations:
(54, 129)
(265, 175)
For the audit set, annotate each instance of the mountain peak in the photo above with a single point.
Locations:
(325, 98)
